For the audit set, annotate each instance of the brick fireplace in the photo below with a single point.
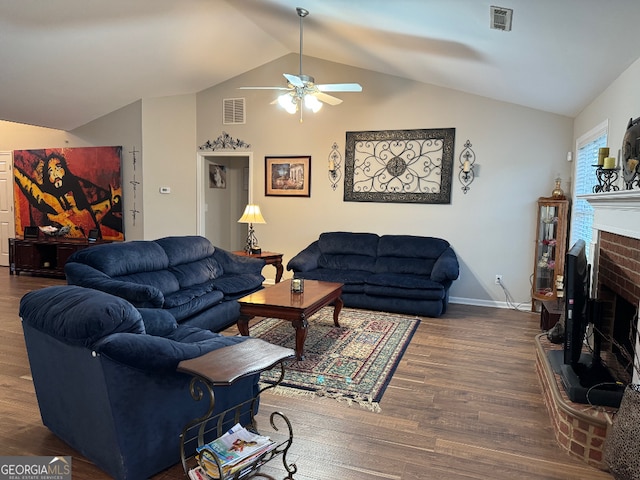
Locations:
(615, 256)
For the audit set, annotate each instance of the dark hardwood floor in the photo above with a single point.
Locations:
(464, 403)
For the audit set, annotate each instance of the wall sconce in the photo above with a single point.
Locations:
(252, 215)
(335, 162)
(467, 161)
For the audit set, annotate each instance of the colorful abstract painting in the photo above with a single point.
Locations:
(78, 188)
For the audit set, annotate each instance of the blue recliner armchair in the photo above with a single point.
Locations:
(105, 377)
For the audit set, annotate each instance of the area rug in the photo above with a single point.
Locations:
(352, 363)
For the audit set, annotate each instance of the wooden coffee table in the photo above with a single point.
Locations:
(278, 301)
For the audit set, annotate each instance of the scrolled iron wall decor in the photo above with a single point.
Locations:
(335, 164)
(399, 166)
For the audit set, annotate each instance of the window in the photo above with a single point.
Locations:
(584, 179)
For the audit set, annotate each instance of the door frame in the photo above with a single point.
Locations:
(8, 230)
(201, 160)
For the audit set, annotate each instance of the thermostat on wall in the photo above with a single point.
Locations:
(165, 189)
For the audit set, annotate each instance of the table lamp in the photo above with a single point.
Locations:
(252, 215)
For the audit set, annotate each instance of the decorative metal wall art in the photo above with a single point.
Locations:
(224, 142)
(399, 166)
(134, 184)
(467, 160)
(335, 164)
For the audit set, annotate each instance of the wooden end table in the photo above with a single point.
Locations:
(278, 301)
(271, 258)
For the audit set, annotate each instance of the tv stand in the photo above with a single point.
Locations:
(588, 381)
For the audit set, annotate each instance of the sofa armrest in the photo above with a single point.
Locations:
(446, 269)
(306, 260)
(158, 354)
(237, 264)
(138, 294)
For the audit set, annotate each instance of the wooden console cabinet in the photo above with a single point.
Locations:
(43, 256)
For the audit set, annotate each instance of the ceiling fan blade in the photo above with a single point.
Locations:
(340, 87)
(294, 80)
(326, 98)
(263, 88)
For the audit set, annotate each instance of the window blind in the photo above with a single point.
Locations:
(584, 180)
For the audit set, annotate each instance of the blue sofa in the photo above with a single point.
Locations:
(394, 273)
(197, 283)
(105, 377)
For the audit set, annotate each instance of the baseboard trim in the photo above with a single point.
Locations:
(488, 303)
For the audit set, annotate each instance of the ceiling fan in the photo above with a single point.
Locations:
(303, 89)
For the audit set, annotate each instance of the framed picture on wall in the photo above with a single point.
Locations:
(217, 176)
(288, 176)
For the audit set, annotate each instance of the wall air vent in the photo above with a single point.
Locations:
(501, 18)
(233, 111)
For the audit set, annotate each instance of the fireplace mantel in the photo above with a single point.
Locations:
(616, 212)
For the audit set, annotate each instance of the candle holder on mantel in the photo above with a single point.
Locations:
(607, 177)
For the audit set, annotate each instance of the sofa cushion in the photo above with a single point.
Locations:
(197, 304)
(238, 284)
(188, 294)
(345, 243)
(158, 322)
(409, 293)
(403, 280)
(123, 258)
(409, 254)
(348, 251)
(77, 315)
(185, 249)
(194, 273)
(163, 280)
(346, 277)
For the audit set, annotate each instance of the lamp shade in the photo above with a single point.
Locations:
(252, 214)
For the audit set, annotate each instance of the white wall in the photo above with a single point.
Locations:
(618, 103)
(168, 142)
(18, 136)
(492, 228)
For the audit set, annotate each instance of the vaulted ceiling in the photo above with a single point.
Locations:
(66, 62)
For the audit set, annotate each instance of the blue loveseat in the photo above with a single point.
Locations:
(394, 273)
(105, 377)
(197, 283)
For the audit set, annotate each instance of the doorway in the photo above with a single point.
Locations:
(7, 222)
(224, 182)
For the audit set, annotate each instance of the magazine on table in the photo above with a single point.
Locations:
(234, 450)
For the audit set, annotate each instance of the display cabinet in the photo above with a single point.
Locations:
(550, 248)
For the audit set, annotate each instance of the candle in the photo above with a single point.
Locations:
(602, 154)
(632, 163)
(609, 163)
(332, 165)
(466, 167)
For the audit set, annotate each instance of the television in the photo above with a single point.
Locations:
(576, 308)
(585, 378)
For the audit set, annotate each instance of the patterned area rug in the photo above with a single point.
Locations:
(353, 362)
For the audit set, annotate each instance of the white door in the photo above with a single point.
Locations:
(7, 225)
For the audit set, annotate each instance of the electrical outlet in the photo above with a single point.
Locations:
(498, 280)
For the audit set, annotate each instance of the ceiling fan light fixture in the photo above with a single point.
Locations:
(288, 102)
(312, 103)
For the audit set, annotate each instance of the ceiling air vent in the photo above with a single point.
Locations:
(233, 111)
(501, 18)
